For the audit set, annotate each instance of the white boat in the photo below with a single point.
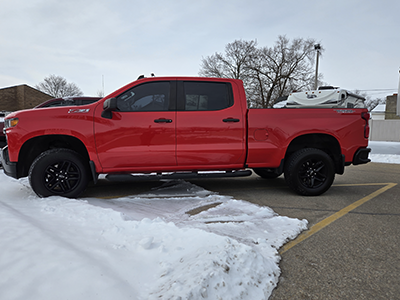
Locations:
(325, 97)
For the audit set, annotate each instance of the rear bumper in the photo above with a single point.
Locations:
(10, 168)
(361, 156)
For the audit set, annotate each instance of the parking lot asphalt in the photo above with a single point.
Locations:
(351, 249)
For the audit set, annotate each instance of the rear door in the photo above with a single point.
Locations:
(210, 126)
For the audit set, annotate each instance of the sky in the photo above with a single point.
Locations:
(109, 43)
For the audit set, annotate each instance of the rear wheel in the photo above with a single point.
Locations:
(310, 172)
(60, 172)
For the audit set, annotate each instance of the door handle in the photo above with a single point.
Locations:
(162, 121)
(230, 120)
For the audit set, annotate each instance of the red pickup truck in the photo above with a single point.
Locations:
(170, 127)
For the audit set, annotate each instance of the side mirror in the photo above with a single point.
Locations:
(109, 106)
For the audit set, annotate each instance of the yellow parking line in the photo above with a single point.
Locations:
(317, 227)
(359, 184)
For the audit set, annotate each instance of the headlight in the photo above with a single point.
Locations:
(10, 122)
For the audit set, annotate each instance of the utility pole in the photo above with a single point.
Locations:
(317, 48)
(398, 99)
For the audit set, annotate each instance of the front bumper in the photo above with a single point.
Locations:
(361, 156)
(10, 168)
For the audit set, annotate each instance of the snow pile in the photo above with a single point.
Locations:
(57, 248)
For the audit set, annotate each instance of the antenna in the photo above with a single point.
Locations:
(103, 84)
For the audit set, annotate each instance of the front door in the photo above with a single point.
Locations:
(141, 134)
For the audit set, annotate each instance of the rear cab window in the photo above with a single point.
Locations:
(204, 96)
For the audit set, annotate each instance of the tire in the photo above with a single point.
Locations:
(309, 172)
(61, 172)
(266, 173)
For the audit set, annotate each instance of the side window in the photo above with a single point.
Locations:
(151, 96)
(207, 95)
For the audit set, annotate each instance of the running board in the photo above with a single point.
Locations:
(178, 175)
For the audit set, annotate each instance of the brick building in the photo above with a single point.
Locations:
(21, 97)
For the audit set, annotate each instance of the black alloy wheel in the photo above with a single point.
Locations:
(310, 172)
(59, 172)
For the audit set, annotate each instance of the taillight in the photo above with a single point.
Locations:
(366, 116)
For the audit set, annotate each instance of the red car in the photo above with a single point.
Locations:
(68, 101)
(3, 141)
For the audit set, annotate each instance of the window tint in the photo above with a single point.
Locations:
(152, 96)
(207, 95)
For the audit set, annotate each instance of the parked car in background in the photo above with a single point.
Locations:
(3, 141)
(55, 102)
(68, 101)
(2, 135)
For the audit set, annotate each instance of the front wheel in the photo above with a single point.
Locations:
(310, 172)
(61, 172)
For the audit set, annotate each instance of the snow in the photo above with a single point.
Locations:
(379, 108)
(385, 152)
(139, 247)
(145, 246)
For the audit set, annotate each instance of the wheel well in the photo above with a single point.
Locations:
(35, 146)
(3, 141)
(324, 142)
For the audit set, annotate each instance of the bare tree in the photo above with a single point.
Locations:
(100, 93)
(232, 64)
(267, 73)
(58, 86)
(370, 103)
